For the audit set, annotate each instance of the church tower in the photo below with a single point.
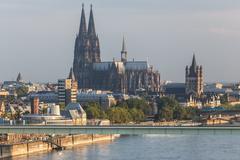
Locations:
(86, 50)
(194, 79)
(94, 47)
(81, 49)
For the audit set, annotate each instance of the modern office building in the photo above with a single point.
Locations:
(67, 90)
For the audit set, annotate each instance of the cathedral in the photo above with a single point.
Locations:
(121, 76)
(194, 79)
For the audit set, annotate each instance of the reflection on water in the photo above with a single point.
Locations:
(157, 147)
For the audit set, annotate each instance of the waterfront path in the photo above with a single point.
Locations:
(129, 130)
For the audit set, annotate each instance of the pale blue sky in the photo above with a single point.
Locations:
(37, 36)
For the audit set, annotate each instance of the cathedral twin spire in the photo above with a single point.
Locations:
(91, 33)
(87, 47)
(91, 25)
(83, 24)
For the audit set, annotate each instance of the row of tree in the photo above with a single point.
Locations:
(136, 110)
(132, 110)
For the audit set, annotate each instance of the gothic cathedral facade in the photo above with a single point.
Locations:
(118, 76)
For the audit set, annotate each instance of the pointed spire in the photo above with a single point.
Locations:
(91, 25)
(194, 64)
(19, 77)
(124, 51)
(124, 45)
(83, 26)
(71, 75)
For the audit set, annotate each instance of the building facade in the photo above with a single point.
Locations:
(67, 90)
(104, 100)
(194, 79)
(118, 76)
(34, 105)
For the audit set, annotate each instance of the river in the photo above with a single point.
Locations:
(151, 147)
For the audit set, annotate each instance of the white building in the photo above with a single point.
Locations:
(105, 100)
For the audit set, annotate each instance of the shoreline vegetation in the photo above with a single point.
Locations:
(135, 110)
(140, 111)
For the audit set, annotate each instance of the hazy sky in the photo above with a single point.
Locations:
(37, 36)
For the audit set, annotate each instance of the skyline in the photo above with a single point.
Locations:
(49, 30)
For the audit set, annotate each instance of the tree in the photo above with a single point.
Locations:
(136, 114)
(166, 113)
(189, 113)
(178, 112)
(141, 104)
(119, 115)
(168, 109)
(122, 104)
(167, 102)
(93, 111)
(103, 115)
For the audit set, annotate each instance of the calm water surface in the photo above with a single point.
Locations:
(152, 147)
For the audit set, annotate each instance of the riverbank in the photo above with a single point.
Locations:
(150, 147)
(10, 150)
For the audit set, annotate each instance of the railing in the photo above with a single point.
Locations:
(55, 143)
(74, 129)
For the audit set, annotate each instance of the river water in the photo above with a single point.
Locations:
(151, 147)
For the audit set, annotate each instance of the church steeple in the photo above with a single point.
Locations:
(124, 51)
(91, 25)
(194, 64)
(193, 67)
(83, 25)
(123, 45)
(19, 77)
